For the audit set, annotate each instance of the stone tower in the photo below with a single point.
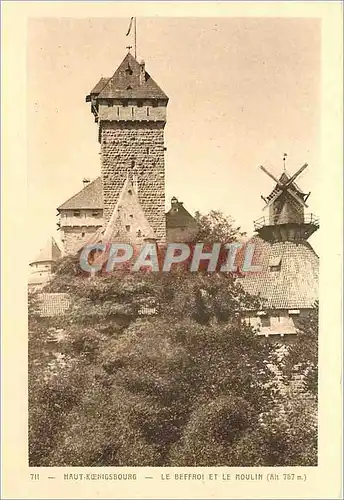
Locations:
(130, 109)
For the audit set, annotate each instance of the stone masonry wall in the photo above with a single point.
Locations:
(74, 237)
(128, 147)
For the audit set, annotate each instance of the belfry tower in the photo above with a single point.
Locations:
(130, 109)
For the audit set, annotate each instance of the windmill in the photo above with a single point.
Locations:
(286, 201)
(287, 282)
(286, 204)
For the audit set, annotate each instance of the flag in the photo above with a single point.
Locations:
(130, 25)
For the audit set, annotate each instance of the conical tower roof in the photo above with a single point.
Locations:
(49, 253)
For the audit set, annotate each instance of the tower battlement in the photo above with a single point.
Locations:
(130, 109)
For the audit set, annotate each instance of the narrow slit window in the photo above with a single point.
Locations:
(118, 111)
(147, 111)
(132, 111)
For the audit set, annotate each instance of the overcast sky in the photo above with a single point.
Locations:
(242, 93)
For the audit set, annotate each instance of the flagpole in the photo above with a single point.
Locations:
(135, 36)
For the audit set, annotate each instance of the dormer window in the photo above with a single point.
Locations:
(265, 321)
(128, 71)
(275, 263)
(129, 87)
(76, 213)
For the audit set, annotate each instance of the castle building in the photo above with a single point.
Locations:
(288, 281)
(127, 203)
(81, 215)
(130, 110)
(180, 225)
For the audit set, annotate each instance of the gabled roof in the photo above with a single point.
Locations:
(49, 253)
(126, 83)
(127, 224)
(289, 276)
(90, 197)
(178, 216)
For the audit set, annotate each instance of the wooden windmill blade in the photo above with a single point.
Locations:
(273, 199)
(293, 177)
(279, 183)
(299, 199)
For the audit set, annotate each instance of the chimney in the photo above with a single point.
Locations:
(175, 204)
(86, 181)
(142, 73)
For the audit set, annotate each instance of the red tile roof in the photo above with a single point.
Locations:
(290, 275)
(90, 197)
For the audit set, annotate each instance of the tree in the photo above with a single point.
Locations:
(188, 384)
(215, 227)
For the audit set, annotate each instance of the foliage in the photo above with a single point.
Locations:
(302, 358)
(215, 227)
(188, 384)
